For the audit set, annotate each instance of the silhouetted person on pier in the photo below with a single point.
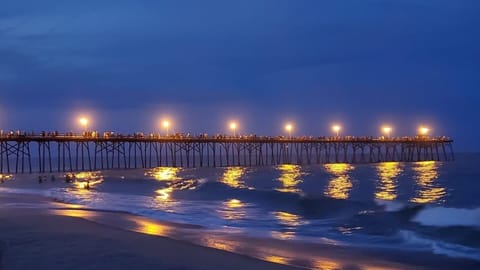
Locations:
(88, 185)
(40, 179)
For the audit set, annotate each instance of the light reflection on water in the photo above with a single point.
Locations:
(290, 177)
(84, 181)
(232, 176)
(5, 177)
(275, 259)
(340, 184)
(283, 235)
(290, 221)
(387, 185)
(164, 173)
(76, 213)
(232, 209)
(286, 224)
(170, 175)
(84, 184)
(426, 174)
(149, 227)
(219, 243)
(326, 264)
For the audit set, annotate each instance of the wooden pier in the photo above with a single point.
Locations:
(21, 153)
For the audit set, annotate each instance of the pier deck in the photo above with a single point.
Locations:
(21, 153)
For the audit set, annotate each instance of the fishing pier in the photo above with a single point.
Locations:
(21, 153)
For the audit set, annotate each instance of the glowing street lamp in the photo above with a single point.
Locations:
(289, 128)
(166, 125)
(233, 127)
(336, 129)
(387, 130)
(83, 122)
(423, 130)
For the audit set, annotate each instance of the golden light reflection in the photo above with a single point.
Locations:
(87, 180)
(387, 184)
(164, 173)
(326, 264)
(164, 194)
(288, 219)
(290, 177)
(234, 203)
(233, 177)
(275, 259)
(234, 209)
(169, 174)
(283, 235)
(150, 227)
(75, 213)
(329, 264)
(221, 244)
(426, 172)
(340, 185)
(5, 177)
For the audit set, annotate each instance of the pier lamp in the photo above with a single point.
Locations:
(166, 125)
(336, 129)
(423, 131)
(289, 128)
(83, 122)
(387, 130)
(233, 127)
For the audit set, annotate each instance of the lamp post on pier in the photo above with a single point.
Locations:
(166, 125)
(336, 129)
(289, 128)
(387, 130)
(233, 127)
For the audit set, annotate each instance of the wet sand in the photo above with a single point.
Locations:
(36, 233)
(36, 239)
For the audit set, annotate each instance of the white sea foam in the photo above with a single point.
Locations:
(447, 217)
(31, 191)
(390, 206)
(438, 247)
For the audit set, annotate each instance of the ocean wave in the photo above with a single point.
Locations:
(439, 247)
(448, 217)
(391, 206)
(30, 191)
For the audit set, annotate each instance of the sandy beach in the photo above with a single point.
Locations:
(37, 232)
(36, 239)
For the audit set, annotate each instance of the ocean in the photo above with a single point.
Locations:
(428, 210)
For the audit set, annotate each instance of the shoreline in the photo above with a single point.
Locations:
(184, 238)
(36, 239)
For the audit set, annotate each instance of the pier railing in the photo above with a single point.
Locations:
(50, 152)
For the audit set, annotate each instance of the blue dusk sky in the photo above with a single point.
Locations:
(127, 64)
